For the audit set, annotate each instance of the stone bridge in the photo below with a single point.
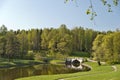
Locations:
(74, 63)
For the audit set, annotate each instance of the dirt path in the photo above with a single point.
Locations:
(114, 68)
(94, 61)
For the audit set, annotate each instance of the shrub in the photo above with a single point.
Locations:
(30, 55)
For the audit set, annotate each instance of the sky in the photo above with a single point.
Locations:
(27, 14)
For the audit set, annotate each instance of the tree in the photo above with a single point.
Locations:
(36, 39)
(23, 40)
(64, 40)
(2, 45)
(53, 41)
(45, 39)
(78, 35)
(89, 38)
(116, 47)
(3, 30)
(107, 48)
(98, 52)
(12, 45)
(90, 11)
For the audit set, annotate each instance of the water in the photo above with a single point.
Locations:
(42, 69)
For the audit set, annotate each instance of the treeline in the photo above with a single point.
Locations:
(106, 47)
(37, 43)
(60, 42)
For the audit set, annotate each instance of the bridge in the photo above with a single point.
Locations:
(75, 63)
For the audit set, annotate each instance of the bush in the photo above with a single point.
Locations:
(60, 56)
(37, 56)
(30, 55)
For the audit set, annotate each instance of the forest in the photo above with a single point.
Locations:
(59, 43)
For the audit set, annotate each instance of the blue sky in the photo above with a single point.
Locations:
(27, 14)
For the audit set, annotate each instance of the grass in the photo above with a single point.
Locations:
(57, 62)
(16, 63)
(104, 72)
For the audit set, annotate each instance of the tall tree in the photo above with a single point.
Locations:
(89, 38)
(2, 45)
(65, 39)
(22, 37)
(12, 45)
(45, 39)
(78, 39)
(36, 39)
(116, 46)
(3, 30)
(107, 48)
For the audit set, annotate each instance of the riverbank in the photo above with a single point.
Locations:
(4, 63)
(103, 72)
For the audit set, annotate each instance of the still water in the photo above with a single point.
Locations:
(42, 69)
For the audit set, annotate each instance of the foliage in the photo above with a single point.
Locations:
(107, 48)
(37, 56)
(60, 43)
(81, 54)
(12, 45)
(90, 11)
(30, 55)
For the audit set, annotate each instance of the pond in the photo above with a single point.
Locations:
(42, 69)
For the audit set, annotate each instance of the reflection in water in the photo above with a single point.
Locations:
(80, 67)
(76, 64)
(11, 74)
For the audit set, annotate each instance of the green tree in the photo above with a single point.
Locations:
(12, 45)
(108, 48)
(90, 11)
(64, 40)
(53, 41)
(116, 47)
(2, 45)
(89, 38)
(22, 37)
(45, 39)
(78, 39)
(36, 39)
(29, 36)
(3, 30)
(98, 51)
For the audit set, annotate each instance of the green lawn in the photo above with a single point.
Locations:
(16, 62)
(104, 72)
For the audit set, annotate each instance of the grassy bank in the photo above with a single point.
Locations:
(104, 72)
(57, 62)
(4, 63)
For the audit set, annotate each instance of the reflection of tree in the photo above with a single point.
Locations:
(30, 71)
